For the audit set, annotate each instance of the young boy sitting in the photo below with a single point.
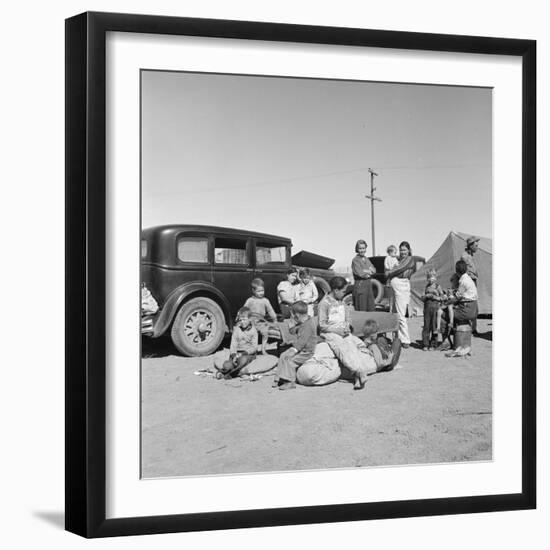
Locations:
(307, 290)
(303, 346)
(261, 311)
(244, 345)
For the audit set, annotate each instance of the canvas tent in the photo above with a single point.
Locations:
(443, 261)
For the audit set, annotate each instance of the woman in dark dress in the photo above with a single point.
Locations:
(362, 269)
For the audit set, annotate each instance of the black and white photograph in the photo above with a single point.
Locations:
(316, 274)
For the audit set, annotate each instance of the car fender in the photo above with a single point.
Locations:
(321, 284)
(179, 295)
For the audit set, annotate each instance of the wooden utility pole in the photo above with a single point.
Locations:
(372, 198)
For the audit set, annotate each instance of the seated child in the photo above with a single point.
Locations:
(244, 345)
(334, 315)
(433, 298)
(286, 292)
(303, 346)
(386, 354)
(261, 310)
(306, 290)
(390, 262)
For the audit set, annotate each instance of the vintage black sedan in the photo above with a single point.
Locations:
(201, 275)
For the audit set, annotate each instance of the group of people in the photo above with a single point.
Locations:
(456, 306)
(320, 349)
(398, 268)
(324, 347)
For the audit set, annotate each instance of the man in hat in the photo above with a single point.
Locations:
(468, 256)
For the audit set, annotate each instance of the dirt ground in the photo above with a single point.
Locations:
(433, 409)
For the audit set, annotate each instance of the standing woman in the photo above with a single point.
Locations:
(400, 282)
(362, 269)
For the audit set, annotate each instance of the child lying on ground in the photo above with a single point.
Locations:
(386, 354)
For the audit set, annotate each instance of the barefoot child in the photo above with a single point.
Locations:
(261, 310)
(303, 346)
(447, 311)
(433, 297)
(244, 345)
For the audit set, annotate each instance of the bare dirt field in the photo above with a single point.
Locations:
(433, 409)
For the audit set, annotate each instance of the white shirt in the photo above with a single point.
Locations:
(308, 294)
(467, 288)
(287, 291)
(390, 262)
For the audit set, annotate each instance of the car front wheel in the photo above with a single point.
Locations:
(198, 328)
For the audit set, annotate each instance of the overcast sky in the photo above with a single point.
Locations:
(290, 156)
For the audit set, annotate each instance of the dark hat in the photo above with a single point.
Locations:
(472, 240)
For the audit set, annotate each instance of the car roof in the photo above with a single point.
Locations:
(168, 230)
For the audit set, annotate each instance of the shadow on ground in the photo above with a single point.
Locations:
(57, 519)
(485, 335)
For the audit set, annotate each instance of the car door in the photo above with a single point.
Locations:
(232, 270)
(272, 260)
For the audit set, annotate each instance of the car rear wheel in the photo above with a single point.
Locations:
(198, 328)
(378, 291)
(323, 289)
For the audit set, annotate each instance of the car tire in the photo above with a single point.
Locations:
(378, 291)
(348, 300)
(323, 288)
(199, 327)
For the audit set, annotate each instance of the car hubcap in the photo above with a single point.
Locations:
(200, 327)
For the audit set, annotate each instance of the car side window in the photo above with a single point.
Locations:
(270, 253)
(143, 248)
(193, 250)
(230, 251)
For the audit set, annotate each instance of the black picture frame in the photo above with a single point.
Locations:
(86, 284)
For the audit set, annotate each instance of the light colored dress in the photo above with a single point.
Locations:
(401, 286)
(308, 294)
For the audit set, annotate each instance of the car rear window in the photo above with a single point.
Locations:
(193, 250)
(270, 254)
(230, 251)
